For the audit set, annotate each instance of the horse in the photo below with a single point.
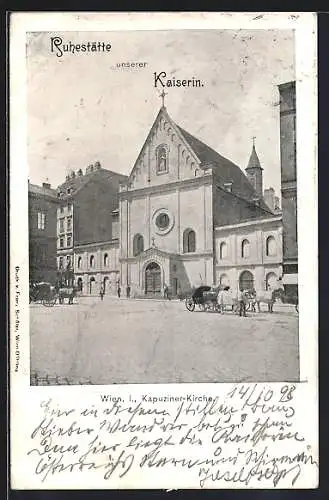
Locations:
(225, 299)
(67, 293)
(266, 297)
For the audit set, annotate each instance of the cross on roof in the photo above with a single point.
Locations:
(253, 140)
(163, 95)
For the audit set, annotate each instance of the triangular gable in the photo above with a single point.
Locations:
(162, 115)
(149, 252)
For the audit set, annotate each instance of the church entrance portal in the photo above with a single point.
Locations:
(152, 278)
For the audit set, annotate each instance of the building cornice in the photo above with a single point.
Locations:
(156, 252)
(250, 223)
(99, 244)
(288, 185)
(46, 196)
(205, 179)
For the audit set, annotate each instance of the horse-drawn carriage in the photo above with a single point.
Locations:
(204, 297)
(43, 293)
(47, 294)
(218, 299)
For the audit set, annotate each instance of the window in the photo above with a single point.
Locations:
(223, 251)
(245, 249)
(106, 260)
(61, 225)
(69, 241)
(68, 262)
(138, 244)
(162, 159)
(60, 264)
(270, 246)
(224, 280)
(69, 224)
(62, 208)
(61, 243)
(69, 207)
(189, 241)
(162, 221)
(41, 220)
(92, 261)
(79, 262)
(80, 284)
(246, 281)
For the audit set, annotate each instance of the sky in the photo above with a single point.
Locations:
(82, 108)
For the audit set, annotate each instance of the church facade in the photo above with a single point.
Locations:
(188, 216)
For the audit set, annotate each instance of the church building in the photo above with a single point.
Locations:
(189, 216)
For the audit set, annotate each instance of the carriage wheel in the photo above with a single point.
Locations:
(203, 307)
(189, 304)
(248, 306)
(49, 301)
(218, 308)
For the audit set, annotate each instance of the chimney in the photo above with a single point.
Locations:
(269, 198)
(97, 165)
(80, 172)
(46, 185)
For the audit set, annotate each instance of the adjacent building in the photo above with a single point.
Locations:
(42, 203)
(87, 229)
(287, 93)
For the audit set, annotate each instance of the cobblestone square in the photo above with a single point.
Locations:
(118, 341)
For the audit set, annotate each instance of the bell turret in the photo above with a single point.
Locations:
(254, 171)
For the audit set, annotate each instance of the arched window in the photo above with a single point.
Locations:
(80, 284)
(245, 249)
(189, 241)
(92, 285)
(271, 281)
(92, 261)
(106, 260)
(162, 159)
(138, 244)
(223, 250)
(270, 246)
(79, 262)
(224, 280)
(105, 284)
(246, 281)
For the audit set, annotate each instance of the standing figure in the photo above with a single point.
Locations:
(128, 291)
(166, 292)
(102, 291)
(242, 303)
(119, 291)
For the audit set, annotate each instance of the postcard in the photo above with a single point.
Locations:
(163, 250)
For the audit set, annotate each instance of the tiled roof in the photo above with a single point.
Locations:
(41, 190)
(226, 170)
(77, 182)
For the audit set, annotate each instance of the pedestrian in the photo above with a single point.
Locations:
(102, 291)
(166, 292)
(119, 291)
(242, 303)
(128, 292)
